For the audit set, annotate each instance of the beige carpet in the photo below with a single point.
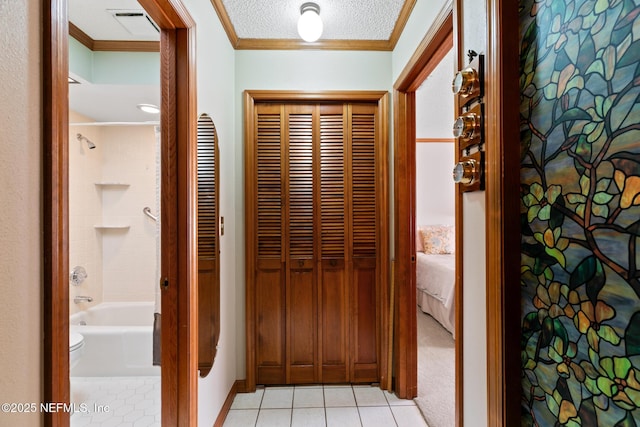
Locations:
(436, 372)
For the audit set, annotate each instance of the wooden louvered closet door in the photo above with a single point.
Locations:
(314, 200)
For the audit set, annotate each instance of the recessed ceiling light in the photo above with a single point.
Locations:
(148, 108)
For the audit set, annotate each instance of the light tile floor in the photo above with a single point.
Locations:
(323, 406)
(116, 401)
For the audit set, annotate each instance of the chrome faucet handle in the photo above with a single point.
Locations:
(81, 298)
(78, 275)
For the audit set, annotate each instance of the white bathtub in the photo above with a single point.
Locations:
(117, 340)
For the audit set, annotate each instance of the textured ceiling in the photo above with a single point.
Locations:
(342, 19)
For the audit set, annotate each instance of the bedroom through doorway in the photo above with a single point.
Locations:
(435, 245)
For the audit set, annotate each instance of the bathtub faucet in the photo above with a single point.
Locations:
(81, 298)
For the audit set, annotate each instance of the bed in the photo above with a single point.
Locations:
(435, 276)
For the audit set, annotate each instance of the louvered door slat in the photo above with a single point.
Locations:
(363, 184)
(207, 203)
(300, 185)
(332, 185)
(269, 186)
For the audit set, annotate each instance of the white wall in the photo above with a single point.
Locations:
(434, 102)
(121, 263)
(130, 266)
(474, 260)
(435, 190)
(217, 97)
(20, 208)
(293, 70)
(473, 211)
(85, 210)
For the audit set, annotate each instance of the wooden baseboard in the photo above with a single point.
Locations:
(238, 387)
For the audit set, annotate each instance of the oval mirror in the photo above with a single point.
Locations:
(208, 245)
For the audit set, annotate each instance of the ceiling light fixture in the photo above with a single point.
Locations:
(148, 108)
(310, 23)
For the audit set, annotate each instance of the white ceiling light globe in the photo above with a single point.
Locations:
(310, 23)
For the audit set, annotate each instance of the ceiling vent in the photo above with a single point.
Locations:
(136, 22)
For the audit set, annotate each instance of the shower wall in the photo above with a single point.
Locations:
(85, 210)
(129, 256)
(109, 234)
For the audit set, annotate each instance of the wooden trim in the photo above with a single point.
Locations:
(250, 99)
(236, 388)
(502, 220)
(405, 323)
(250, 248)
(314, 96)
(55, 131)
(434, 140)
(295, 44)
(401, 22)
(126, 46)
(384, 278)
(226, 21)
(80, 36)
(459, 299)
(178, 121)
(323, 44)
(178, 211)
(112, 45)
(436, 43)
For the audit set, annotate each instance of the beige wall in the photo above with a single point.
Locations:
(85, 209)
(20, 208)
(129, 261)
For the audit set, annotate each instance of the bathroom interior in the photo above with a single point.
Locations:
(114, 232)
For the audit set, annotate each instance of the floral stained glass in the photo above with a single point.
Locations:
(580, 212)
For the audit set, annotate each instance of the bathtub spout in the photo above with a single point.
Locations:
(81, 298)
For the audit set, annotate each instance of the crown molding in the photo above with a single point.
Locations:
(295, 44)
(112, 45)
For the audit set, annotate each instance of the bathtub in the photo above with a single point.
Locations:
(117, 340)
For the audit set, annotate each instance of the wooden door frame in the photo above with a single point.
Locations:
(502, 79)
(179, 267)
(502, 207)
(436, 44)
(250, 99)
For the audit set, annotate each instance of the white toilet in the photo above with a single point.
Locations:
(76, 348)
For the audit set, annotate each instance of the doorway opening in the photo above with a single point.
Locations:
(435, 245)
(437, 43)
(114, 223)
(178, 123)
